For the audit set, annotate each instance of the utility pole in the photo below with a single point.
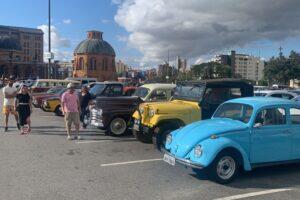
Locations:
(49, 38)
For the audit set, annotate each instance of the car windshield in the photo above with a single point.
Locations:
(97, 89)
(235, 111)
(54, 90)
(260, 94)
(189, 92)
(141, 92)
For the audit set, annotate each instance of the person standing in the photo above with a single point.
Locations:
(71, 108)
(24, 108)
(9, 93)
(85, 98)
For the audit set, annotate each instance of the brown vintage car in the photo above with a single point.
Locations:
(37, 98)
(113, 113)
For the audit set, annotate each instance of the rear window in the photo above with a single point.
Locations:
(260, 94)
(295, 115)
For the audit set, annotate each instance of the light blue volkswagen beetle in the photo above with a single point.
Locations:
(243, 133)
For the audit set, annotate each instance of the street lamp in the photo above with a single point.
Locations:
(49, 38)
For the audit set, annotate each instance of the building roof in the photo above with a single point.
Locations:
(94, 46)
(9, 43)
(23, 29)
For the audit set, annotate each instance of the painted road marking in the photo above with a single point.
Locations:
(131, 162)
(253, 194)
(105, 140)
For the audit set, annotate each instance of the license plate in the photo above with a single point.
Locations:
(136, 127)
(169, 159)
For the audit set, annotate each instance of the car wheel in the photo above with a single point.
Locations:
(159, 139)
(117, 126)
(140, 136)
(225, 167)
(58, 111)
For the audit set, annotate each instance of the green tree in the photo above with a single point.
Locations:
(211, 70)
(281, 69)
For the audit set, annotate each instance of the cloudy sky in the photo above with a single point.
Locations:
(142, 32)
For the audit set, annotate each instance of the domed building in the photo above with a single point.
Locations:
(94, 58)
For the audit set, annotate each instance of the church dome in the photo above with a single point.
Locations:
(94, 44)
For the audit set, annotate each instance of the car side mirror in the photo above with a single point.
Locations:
(257, 125)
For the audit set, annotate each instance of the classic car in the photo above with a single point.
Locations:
(37, 98)
(243, 133)
(53, 104)
(192, 101)
(42, 85)
(275, 93)
(114, 113)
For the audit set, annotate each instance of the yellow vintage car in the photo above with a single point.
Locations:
(192, 101)
(52, 105)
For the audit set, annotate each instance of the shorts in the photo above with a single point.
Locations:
(72, 117)
(9, 109)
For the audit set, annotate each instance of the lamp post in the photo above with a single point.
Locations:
(49, 38)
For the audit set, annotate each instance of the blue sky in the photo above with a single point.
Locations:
(72, 18)
(144, 31)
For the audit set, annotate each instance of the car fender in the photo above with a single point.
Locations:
(212, 147)
(157, 119)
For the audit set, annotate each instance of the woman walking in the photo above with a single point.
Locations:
(23, 107)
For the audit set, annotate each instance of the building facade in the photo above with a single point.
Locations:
(181, 64)
(94, 58)
(243, 65)
(249, 67)
(21, 52)
(121, 68)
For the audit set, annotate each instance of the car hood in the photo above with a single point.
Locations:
(186, 138)
(172, 107)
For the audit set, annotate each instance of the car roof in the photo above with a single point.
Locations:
(258, 102)
(153, 86)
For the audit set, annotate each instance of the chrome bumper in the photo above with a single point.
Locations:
(184, 162)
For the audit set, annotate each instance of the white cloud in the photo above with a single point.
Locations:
(122, 38)
(57, 42)
(67, 21)
(193, 28)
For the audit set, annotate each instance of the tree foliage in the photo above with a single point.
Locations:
(283, 69)
(211, 70)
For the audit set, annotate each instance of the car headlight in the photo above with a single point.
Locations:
(169, 139)
(151, 112)
(198, 151)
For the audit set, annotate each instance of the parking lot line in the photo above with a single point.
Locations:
(99, 141)
(253, 194)
(131, 162)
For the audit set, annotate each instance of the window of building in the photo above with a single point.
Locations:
(80, 64)
(93, 64)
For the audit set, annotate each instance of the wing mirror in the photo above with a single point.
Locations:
(257, 125)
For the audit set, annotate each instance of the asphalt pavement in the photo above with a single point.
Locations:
(45, 165)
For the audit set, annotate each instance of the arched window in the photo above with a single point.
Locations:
(105, 64)
(80, 63)
(93, 64)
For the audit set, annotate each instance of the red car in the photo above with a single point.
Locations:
(37, 98)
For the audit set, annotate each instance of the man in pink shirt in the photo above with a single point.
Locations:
(71, 108)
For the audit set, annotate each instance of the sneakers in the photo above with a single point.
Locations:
(69, 138)
(77, 137)
(5, 129)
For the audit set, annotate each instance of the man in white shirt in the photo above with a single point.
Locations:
(9, 93)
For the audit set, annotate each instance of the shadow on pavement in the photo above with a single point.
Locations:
(280, 176)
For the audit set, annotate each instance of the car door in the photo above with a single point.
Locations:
(270, 136)
(295, 130)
